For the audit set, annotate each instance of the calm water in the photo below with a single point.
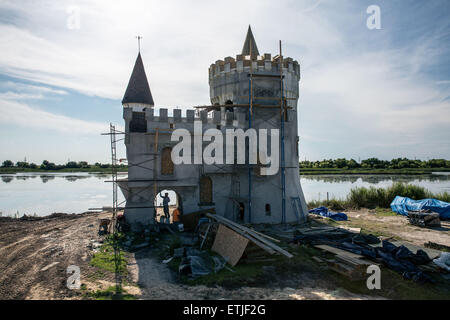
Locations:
(43, 194)
(338, 186)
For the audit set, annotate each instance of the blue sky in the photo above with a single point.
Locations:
(363, 93)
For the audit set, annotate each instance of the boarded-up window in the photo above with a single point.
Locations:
(205, 190)
(166, 161)
(138, 122)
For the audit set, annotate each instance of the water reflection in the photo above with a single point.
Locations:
(45, 179)
(376, 178)
(7, 179)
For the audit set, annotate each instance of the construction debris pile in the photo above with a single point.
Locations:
(353, 250)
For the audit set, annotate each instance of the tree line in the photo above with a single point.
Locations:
(375, 163)
(340, 163)
(47, 165)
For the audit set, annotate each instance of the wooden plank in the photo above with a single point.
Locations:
(338, 251)
(354, 262)
(317, 259)
(355, 230)
(265, 236)
(229, 244)
(255, 241)
(251, 233)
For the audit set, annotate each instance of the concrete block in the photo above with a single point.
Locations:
(163, 114)
(149, 114)
(190, 115)
(204, 116)
(177, 115)
(216, 116)
(229, 118)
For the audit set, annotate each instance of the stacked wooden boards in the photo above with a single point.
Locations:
(347, 263)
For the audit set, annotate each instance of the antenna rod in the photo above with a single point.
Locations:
(139, 43)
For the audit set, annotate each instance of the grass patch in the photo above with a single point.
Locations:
(111, 293)
(243, 275)
(110, 257)
(384, 212)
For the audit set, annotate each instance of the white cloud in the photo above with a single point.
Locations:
(25, 116)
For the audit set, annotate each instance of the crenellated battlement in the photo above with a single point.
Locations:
(258, 63)
(185, 118)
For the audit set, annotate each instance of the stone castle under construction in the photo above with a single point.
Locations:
(251, 90)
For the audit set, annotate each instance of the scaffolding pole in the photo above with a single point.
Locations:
(250, 111)
(282, 115)
(112, 131)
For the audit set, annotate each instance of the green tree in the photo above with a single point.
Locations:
(22, 164)
(7, 164)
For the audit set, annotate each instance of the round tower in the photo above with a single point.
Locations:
(272, 78)
(228, 78)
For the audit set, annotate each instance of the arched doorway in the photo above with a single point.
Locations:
(175, 202)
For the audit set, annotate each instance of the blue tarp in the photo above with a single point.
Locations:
(323, 211)
(402, 205)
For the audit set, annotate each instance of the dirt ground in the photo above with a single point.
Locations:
(398, 227)
(34, 256)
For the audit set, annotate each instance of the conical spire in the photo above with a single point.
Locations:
(138, 90)
(250, 40)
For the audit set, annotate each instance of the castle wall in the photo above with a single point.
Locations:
(228, 82)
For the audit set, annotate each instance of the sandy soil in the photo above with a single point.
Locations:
(34, 255)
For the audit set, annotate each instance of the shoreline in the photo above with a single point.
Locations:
(303, 171)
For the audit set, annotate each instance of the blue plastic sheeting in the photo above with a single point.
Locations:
(402, 205)
(323, 211)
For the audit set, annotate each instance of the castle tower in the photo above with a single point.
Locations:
(229, 85)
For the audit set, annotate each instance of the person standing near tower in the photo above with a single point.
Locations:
(166, 201)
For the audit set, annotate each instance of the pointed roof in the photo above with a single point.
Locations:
(138, 90)
(250, 39)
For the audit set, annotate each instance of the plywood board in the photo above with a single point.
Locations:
(229, 244)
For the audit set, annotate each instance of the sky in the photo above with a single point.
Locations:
(65, 65)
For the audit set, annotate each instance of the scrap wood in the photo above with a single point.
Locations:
(265, 235)
(348, 271)
(354, 230)
(436, 246)
(248, 232)
(338, 251)
(317, 259)
(229, 244)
